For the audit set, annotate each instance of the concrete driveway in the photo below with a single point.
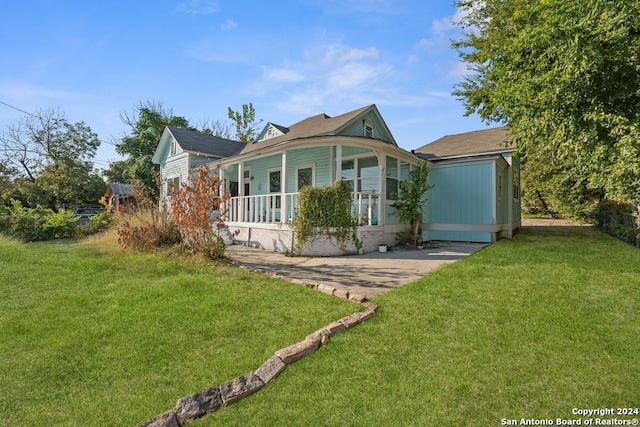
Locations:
(368, 275)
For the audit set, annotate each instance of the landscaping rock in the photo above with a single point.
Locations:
(366, 315)
(350, 321)
(335, 327)
(341, 294)
(326, 289)
(270, 369)
(357, 298)
(298, 350)
(168, 419)
(240, 387)
(198, 404)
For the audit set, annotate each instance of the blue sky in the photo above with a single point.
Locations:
(291, 59)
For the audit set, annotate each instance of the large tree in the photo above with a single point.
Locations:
(565, 76)
(51, 158)
(245, 123)
(146, 126)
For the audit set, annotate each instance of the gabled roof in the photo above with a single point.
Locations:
(319, 125)
(119, 189)
(488, 141)
(197, 143)
(264, 134)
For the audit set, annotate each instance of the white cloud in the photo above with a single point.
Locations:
(228, 24)
(24, 91)
(353, 75)
(412, 59)
(441, 32)
(459, 70)
(334, 77)
(339, 53)
(198, 7)
(283, 74)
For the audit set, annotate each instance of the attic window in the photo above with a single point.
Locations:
(172, 150)
(368, 130)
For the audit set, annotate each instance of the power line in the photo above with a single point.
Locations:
(17, 109)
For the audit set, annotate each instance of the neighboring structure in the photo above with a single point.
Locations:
(119, 196)
(181, 151)
(264, 179)
(476, 193)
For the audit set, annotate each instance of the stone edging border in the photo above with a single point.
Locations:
(212, 399)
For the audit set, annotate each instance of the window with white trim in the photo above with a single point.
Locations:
(304, 176)
(361, 174)
(274, 185)
(368, 129)
(392, 178)
(173, 184)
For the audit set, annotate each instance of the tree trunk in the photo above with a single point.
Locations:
(544, 205)
(416, 232)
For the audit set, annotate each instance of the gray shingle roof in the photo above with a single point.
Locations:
(198, 142)
(320, 125)
(495, 140)
(120, 189)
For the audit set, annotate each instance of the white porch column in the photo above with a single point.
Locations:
(283, 188)
(221, 188)
(241, 208)
(338, 163)
(382, 185)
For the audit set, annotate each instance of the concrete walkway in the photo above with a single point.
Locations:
(368, 275)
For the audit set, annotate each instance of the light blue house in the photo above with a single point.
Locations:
(476, 193)
(469, 201)
(181, 151)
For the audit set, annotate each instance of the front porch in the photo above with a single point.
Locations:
(264, 221)
(281, 208)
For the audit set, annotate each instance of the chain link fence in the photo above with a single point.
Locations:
(619, 220)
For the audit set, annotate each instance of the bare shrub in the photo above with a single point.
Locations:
(145, 226)
(197, 208)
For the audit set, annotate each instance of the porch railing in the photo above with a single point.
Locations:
(278, 208)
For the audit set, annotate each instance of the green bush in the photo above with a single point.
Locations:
(26, 224)
(58, 225)
(325, 211)
(97, 223)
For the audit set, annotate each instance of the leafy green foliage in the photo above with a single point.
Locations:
(39, 223)
(46, 160)
(325, 211)
(411, 198)
(146, 126)
(565, 77)
(245, 123)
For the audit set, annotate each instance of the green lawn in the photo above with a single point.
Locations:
(526, 328)
(108, 338)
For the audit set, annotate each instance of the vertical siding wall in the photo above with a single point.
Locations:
(462, 194)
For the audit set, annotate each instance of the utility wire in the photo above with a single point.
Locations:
(17, 109)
